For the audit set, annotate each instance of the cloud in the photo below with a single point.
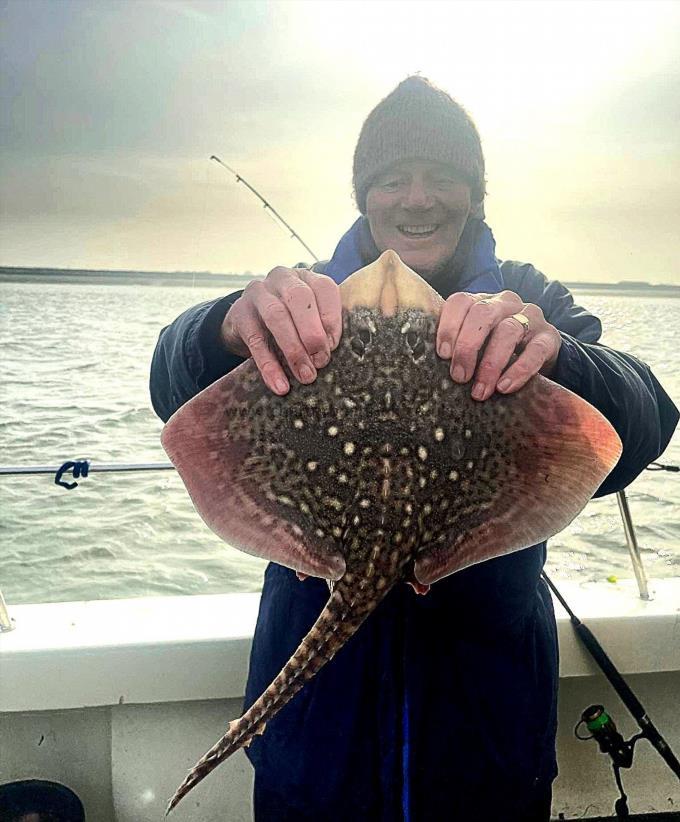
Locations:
(111, 109)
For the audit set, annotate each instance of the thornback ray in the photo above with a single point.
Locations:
(382, 470)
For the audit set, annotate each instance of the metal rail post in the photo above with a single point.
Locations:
(6, 624)
(633, 547)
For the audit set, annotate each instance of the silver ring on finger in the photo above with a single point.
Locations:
(523, 320)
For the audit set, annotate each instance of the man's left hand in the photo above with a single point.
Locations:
(481, 335)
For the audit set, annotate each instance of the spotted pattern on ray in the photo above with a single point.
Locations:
(345, 455)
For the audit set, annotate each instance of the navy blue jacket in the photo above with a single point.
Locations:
(441, 707)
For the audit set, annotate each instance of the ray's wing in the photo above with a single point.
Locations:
(224, 445)
(542, 454)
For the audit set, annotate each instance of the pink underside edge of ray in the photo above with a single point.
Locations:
(208, 461)
(576, 448)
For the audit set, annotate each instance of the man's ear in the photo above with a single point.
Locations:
(477, 211)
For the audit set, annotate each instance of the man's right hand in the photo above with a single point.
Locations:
(299, 310)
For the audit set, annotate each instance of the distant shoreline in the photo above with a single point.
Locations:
(205, 278)
(90, 277)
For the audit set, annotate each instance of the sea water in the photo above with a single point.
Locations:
(74, 385)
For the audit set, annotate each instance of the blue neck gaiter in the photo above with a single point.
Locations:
(474, 267)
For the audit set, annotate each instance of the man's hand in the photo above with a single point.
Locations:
(299, 310)
(472, 323)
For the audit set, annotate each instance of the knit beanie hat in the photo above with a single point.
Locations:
(418, 121)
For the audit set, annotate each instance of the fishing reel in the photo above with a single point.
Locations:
(604, 731)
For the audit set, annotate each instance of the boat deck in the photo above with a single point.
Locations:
(116, 699)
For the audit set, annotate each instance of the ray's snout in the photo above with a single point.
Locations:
(390, 286)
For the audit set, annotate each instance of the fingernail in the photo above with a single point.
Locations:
(504, 384)
(306, 373)
(445, 350)
(459, 373)
(281, 386)
(478, 390)
(319, 359)
(331, 341)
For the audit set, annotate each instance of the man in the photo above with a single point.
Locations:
(442, 707)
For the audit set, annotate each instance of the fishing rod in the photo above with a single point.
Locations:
(599, 722)
(294, 235)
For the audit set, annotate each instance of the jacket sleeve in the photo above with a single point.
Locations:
(189, 356)
(619, 385)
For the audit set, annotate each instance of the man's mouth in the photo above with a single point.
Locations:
(418, 231)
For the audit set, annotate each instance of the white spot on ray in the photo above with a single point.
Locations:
(470, 465)
(298, 424)
(405, 327)
(422, 452)
(348, 448)
(453, 475)
(439, 434)
(468, 433)
(332, 430)
(312, 466)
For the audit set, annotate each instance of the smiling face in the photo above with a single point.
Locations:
(418, 208)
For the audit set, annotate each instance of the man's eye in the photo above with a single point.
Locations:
(445, 182)
(390, 185)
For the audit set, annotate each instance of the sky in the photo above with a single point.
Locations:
(110, 112)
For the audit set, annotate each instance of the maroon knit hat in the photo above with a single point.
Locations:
(418, 121)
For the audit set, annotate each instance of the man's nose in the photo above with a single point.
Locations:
(418, 195)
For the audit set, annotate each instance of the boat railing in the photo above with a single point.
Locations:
(79, 469)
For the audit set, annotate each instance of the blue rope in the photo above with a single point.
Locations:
(79, 468)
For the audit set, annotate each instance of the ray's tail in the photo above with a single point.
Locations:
(347, 608)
